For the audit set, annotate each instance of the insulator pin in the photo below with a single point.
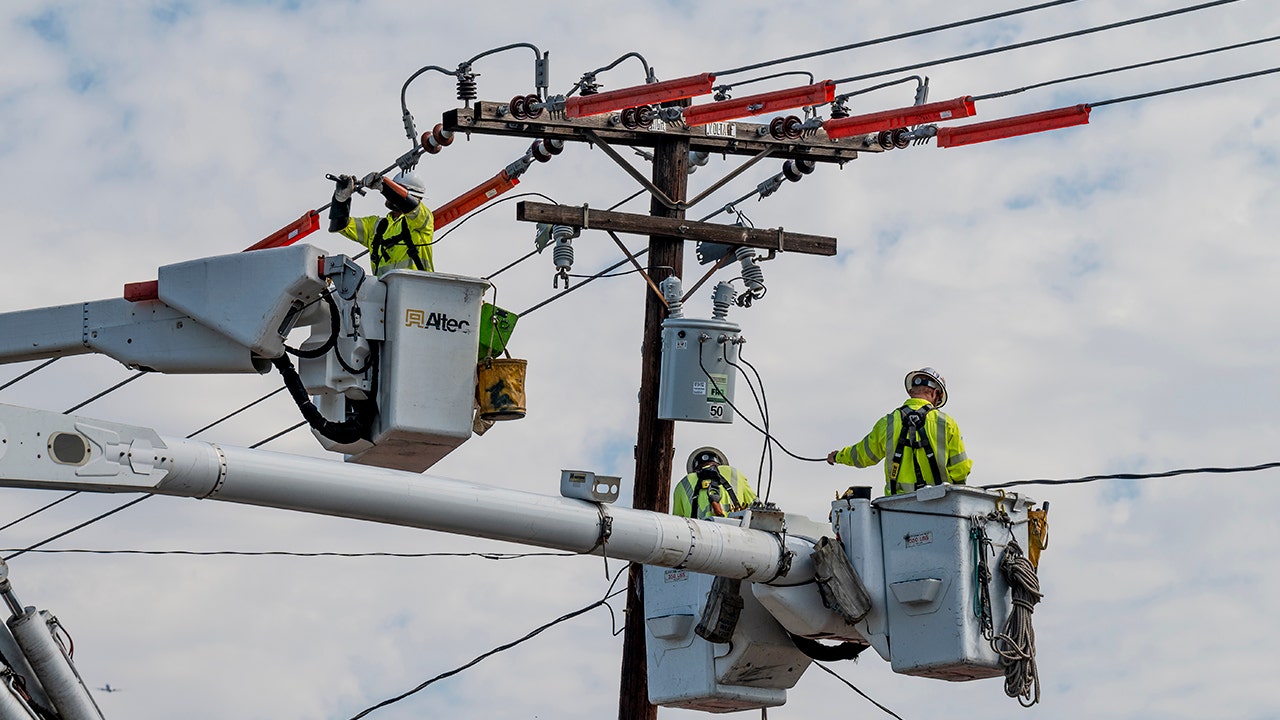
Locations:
(796, 169)
(721, 300)
(436, 140)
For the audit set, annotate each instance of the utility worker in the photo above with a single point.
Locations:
(923, 444)
(712, 488)
(399, 241)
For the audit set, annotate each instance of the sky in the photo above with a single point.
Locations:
(1098, 298)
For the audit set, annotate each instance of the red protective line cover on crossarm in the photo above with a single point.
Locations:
(961, 107)
(659, 92)
(1013, 126)
(473, 198)
(770, 102)
(289, 234)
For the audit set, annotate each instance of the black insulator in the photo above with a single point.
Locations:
(442, 136)
(645, 116)
(629, 119)
(531, 108)
(791, 171)
(791, 127)
(884, 139)
(555, 146)
(517, 107)
(775, 128)
(539, 151)
(901, 138)
(467, 88)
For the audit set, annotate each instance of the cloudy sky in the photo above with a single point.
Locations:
(1099, 299)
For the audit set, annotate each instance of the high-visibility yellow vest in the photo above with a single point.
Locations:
(881, 442)
(391, 238)
(694, 493)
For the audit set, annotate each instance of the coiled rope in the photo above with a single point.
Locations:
(1016, 643)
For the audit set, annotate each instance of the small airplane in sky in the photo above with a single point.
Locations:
(108, 688)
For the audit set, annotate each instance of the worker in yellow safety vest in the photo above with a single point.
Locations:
(920, 444)
(399, 241)
(711, 488)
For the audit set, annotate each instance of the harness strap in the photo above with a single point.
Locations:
(913, 435)
(382, 248)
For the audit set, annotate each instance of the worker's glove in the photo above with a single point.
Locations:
(345, 186)
(373, 181)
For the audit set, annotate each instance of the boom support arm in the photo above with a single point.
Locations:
(53, 451)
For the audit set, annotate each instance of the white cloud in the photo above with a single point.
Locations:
(1098, 297)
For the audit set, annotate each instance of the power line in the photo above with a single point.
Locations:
(1194, 86)
(609, 594)
(835, 675)
(288, 553)
(1038, 41)
(233, 413)
(29, 373)
(33, 513)
(1135, 66)
(890, 38)
(1137, 476)
(286, 431)
(106, 392)
(68, 531)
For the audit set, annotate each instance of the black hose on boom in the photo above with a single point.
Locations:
(355, 427)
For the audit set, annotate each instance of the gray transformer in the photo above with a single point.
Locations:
(698, 373)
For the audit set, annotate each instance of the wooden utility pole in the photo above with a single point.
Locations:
(655, 439)
(668, 231)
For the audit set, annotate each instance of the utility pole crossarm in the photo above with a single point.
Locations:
(735, 137)
(763, 238)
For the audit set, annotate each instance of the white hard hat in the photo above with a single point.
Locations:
(930, 378)
(411, 183)
(704, 455)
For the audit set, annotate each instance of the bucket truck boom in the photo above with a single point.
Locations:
(712, 645)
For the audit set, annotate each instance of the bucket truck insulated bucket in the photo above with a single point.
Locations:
(427, 369)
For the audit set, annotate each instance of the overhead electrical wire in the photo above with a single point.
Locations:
(1137, 476)
(1181, 88)
(68, 531)
(609, 594)
(290, 553)
(854, 688)
(1035, 86)
(891, 38)
(1038, 41)
(29, 373)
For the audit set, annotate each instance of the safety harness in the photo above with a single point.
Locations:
(710, 480)
(382, 245)
(913, 436)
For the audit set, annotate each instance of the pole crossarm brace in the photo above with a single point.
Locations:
(657, 192)
(763, 238)
(724, 138)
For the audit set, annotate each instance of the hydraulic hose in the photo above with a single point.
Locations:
(355, 427)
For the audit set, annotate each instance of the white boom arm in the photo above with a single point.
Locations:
(40, 449)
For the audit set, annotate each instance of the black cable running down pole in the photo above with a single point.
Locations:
(1038, 41)
(890, 38)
